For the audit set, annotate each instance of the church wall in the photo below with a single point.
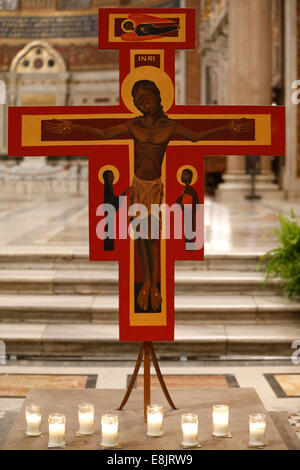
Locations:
(93, 88)
(193, 86)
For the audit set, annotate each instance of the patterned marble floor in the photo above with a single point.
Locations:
(243, 226)
(264, 376)
(272, 382)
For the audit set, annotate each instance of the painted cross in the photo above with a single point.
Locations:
(152, 147)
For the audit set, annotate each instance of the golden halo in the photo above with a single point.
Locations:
(146, 72)
(187, 167)
(125, 21)
(110, 168)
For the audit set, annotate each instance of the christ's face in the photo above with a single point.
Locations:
(146, 102)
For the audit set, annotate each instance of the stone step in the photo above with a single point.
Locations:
(46, 281)
(225, 283)
(87, 340)
(191, 308)
(31, 281)
(69, 258)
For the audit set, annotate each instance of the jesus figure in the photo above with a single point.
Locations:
(151, 133)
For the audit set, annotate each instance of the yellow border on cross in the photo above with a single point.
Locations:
(180, 38)
(32, 129)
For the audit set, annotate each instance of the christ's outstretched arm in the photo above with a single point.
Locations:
(64, 126)
(236, 127)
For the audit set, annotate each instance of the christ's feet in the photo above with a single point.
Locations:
(143, 296)
(155, 298)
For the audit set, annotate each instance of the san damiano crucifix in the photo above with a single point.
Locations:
(151, 134)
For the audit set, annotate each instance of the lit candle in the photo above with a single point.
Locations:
(86, 419)
(257, 430)
(33, 420)
(109, 425)
(220, 420)
(189, 425)
(154, 420)
(57, 426)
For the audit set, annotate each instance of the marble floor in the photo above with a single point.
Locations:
(271, 380)
(276, 395)
(243, 226)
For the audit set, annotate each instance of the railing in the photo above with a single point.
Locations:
(47, 180)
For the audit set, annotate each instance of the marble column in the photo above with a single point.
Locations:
(291, 180)
(249, 79)
(3, 129)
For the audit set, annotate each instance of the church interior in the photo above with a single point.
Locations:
(235, 330)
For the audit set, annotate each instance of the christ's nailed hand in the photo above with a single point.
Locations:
(240, 126)
(57, 126)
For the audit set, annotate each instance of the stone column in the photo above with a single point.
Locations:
(291, 176)
(3, 129)
(250, 59)
(249, 76)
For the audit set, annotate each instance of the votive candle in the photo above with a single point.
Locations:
(33, 420)
(189, 425)
(109, 425)
(257, 429)
(154, 420)
(220, 420)
(86, 413)
(57, 429)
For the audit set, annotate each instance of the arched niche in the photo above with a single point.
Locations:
(38, 76)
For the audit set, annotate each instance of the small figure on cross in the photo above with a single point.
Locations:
(188, 192)
(151, 133)
(190, 198)
(111, 198)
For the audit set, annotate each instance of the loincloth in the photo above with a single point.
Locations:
(146, 192)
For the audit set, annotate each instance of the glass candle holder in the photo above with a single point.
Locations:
(257, 430)
(57, 430)
(109, 425)
(155, 420)
(189, 426)
(86, 414)
(220, 420)
(33, 420)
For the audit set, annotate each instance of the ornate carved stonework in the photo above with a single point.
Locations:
(214, 53)
(38, 56)
(9, 4)
(76, 57)
(65, 26)
(87, 57)
(73, 4)
(38, 4)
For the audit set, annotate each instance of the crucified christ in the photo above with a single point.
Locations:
(151, 133)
